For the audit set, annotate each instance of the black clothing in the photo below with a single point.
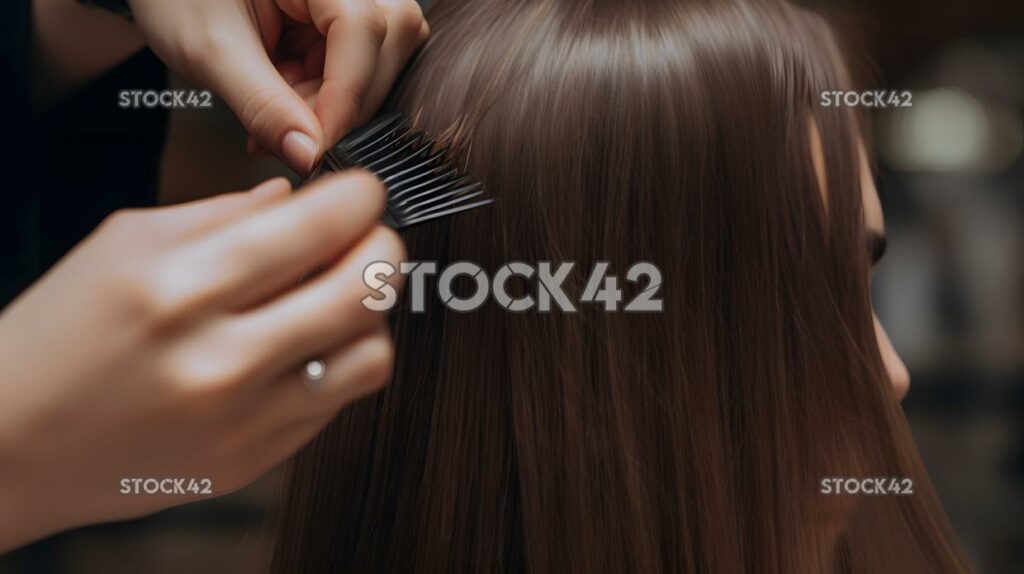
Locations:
(66, 169)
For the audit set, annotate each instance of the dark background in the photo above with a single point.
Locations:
(950, 291)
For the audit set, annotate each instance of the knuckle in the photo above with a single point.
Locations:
(145, 283)
(406, 19)
(257, 110)
(143, 297)
(136, 229)
(371, 17)
(197, 403)
(157, 295)
(364, 15)
(127, 220)
(206, 377)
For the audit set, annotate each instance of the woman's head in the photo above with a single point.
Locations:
(679, 133)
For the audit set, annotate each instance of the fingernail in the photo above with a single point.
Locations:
(300, 150)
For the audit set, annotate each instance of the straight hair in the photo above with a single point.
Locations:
(691, 440)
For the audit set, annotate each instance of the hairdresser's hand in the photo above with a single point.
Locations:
(169, 344)
(251, 52)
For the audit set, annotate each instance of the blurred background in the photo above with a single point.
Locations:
(950, 290)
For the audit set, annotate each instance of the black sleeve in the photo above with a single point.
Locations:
(73, 165)
(18, 248)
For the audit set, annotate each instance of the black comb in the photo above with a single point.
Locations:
(422, 182)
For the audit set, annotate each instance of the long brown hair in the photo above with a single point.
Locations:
(695, 439)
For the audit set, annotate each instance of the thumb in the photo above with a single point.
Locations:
(273, 113)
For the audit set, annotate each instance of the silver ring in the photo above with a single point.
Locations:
(314, 372)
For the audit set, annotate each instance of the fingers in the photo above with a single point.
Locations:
(197, 217)
(243, 74)
(353, 343)
(289, 414)
(356, 50)
(355, 31)
(367, 45)
(261, 255)
(351, 372)
(282, 417)
(323, 313)
(307, 90)
(407, 30)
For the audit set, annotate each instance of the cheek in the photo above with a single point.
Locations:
(898, 374)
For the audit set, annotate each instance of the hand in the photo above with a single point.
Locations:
(169, 344)
(342, 55)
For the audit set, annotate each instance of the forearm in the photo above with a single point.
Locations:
(73, 45)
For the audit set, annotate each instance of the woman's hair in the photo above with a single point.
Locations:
(695, 439)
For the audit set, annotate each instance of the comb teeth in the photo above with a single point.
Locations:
(421, 182)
